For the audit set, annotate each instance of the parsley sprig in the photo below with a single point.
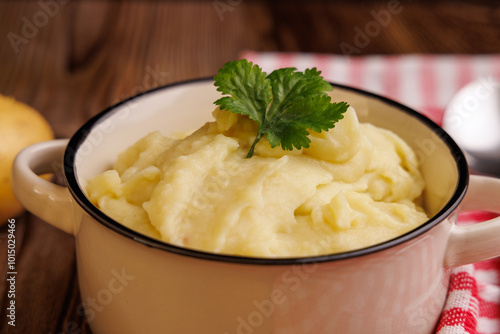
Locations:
(284, 104)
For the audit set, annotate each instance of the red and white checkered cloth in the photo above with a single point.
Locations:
(426, 83)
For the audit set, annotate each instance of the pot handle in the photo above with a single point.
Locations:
(49, 201)
(481, 241)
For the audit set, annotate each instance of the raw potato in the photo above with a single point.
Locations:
(20, 126)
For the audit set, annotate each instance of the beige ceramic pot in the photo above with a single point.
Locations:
(130, 283)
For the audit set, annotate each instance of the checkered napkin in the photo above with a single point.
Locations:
(426, 83)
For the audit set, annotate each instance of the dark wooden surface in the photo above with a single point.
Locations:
(78, 57)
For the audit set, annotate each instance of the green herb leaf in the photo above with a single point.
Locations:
(249, 89)
(285, 104)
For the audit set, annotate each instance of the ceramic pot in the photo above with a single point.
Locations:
(130, 283)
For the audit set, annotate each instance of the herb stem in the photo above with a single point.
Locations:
(257, 138)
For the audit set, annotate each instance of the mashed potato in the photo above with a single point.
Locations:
(355, 186)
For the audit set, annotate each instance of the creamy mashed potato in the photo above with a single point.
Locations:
(355, 186)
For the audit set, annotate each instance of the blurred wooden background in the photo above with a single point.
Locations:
(71, 58)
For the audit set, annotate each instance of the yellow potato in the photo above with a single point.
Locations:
(20, 126)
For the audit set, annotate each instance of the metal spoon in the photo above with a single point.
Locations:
(472, 119)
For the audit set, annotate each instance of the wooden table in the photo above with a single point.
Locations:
(70, 59)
